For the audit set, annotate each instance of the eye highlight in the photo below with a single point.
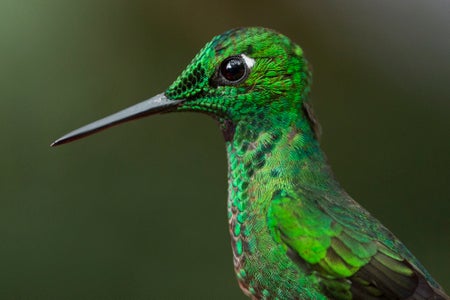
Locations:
(233, 70)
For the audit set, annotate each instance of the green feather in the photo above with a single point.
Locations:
(296, 233)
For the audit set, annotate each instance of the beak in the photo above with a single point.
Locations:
(157, 104)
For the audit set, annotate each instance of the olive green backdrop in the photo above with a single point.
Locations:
(139, 211)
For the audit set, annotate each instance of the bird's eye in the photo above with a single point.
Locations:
(233, 70)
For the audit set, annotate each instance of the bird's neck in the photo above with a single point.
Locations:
(273, 155)
(263, 160)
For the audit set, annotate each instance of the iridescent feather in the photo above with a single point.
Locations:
(295, 233)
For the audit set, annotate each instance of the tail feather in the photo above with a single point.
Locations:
(424, 291)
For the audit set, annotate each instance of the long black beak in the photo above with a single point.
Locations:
(157, 104)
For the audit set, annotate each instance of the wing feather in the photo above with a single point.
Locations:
(340, 246)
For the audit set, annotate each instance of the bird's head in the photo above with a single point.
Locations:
(243, 72)
(243, 75)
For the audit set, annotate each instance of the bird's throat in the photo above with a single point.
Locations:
(262, 163)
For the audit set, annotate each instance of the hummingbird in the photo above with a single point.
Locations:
(295, 232)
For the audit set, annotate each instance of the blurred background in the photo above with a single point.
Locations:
(139, 211)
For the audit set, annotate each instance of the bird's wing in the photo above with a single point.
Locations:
(354, 256)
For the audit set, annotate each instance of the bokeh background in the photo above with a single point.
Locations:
(139, 211)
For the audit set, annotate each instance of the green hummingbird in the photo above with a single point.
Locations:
(295, 232)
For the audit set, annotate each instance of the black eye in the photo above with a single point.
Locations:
(233, 70)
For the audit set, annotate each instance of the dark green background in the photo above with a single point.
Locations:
(139, 212)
